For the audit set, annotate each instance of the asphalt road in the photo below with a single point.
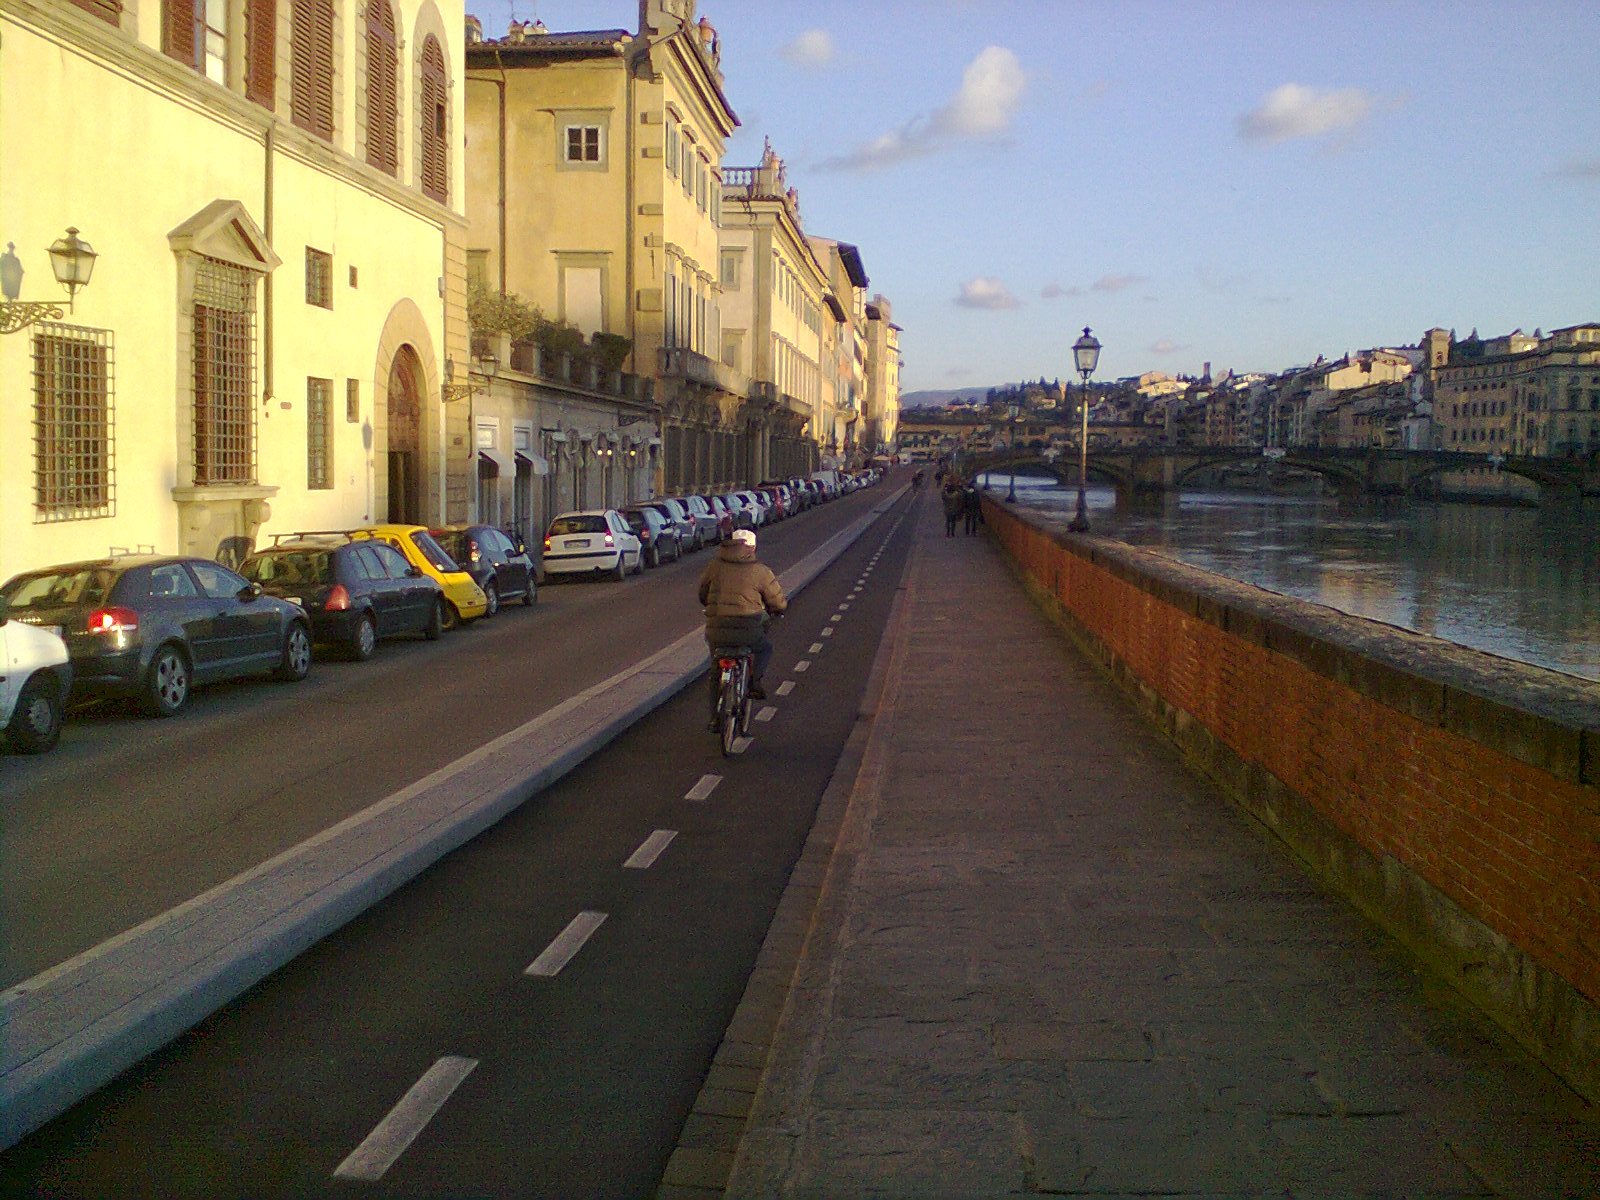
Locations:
(130, 816)
(567, 1084)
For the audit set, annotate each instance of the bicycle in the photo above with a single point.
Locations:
(731, 712)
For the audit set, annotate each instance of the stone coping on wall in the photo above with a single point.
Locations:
(1541, 717)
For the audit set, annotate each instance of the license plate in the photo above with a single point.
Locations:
(580, 542)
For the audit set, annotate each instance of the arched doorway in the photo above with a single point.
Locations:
(405, 438)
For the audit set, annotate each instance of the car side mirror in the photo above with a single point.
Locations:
(5, 610)
(250, 591)
(413, 573)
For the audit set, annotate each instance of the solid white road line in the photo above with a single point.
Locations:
(741, 744)
(816, 648)
(786, 687)
(766, 713)
(568, 942)
(803, 665)
(703, 789)
(386, 1143)
(650, 849)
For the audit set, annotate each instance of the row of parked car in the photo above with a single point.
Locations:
(153, 627)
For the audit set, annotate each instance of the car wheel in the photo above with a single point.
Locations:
(166, 686)
(296, 664)
(699, 541)
(531, 596)
(364, 639)
(450, 614)
(638, 562)
(434, 629)
(36, 721)
(492, 595)
(620, 571)
(655, 556)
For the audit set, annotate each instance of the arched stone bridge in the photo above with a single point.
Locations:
(1153, 470)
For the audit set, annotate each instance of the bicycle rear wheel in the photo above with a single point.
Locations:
(728, 711)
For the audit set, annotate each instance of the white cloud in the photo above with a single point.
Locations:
(1166, 346)
(986, 293)
(813, 48)
(1053, 291)
(1295, 111)
(981, 110)
(1115, 283)
(991, 87)
(1578, 170)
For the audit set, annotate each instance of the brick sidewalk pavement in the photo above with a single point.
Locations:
(1047, 958)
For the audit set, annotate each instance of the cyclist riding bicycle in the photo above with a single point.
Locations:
(738, 594)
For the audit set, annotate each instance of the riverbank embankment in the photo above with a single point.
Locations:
(1453, 796)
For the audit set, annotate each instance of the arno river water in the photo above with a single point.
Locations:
(1523, 583)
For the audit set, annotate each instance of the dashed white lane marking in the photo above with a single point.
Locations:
(767, 713)
(816, 647)
(741, 744)
(386, 1143)
(828, 632)
(703, 789)
(845, 607)
(786, 687)
(803, 665)
(650, 849)
(568, 942)
(836, 617)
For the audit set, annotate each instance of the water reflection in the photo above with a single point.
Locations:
(1519, 582)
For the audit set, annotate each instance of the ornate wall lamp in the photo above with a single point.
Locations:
(72, 260)
(452, 391)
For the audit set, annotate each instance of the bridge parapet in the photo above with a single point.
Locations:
(1451, 795)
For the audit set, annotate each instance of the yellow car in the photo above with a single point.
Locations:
(464, 599)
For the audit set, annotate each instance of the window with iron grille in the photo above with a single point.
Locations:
(224, 373)
(319, 434)
(319, 278)
(73, 433)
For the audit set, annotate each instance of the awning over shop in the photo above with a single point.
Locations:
(496, 461)
(537, 463)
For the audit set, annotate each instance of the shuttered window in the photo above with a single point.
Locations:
(180, 31)
(383, 65)
(311, 66)
(109, 11)
(435, 121)
(261, 52)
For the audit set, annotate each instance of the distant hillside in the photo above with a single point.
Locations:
(940, 399)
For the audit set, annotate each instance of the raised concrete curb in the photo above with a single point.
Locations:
(713, 1137)
(67, 1031)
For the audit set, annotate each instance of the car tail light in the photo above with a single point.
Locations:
(113, 620)
(610, 541)
(338, 600)
(547, 545)
(473, 552)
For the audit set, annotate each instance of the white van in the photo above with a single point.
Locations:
(829, 481)
(35, 677)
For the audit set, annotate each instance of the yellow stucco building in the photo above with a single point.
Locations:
(273, 189)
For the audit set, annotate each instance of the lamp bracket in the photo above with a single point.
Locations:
(624, 422)
(17, 315)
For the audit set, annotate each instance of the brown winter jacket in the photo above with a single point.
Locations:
(736, 585)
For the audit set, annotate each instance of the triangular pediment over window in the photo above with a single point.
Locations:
(223, 230)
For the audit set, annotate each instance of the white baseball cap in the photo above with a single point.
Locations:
(745, 537)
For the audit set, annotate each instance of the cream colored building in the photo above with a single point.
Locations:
(595, 186)
(1540, 401)
(845, 355)
(274, 194)
(882, 416)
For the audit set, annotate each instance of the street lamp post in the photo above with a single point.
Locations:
(1012, 410)
(1086, 350)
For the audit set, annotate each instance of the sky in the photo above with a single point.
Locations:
(1245, 184)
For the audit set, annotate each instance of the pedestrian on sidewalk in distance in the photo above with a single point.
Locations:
(955, 504)
(973, 506)
(739, 594)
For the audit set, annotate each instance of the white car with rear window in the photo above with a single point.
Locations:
(594, 542)
(35, 677)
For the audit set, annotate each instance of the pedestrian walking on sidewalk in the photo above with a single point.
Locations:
(972, 506)
(955, 504)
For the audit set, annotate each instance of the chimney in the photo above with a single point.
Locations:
(474, 30)
(515, 33)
